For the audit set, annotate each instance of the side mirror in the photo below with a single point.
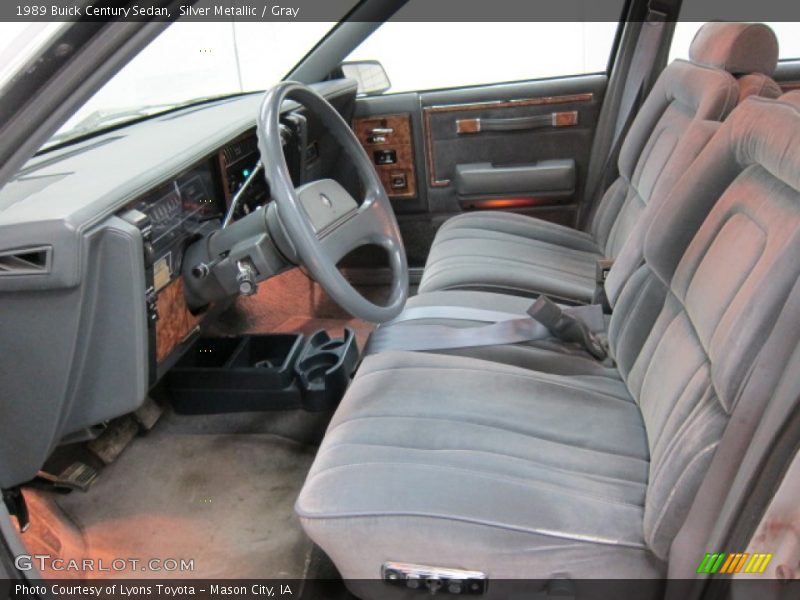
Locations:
(370, 75)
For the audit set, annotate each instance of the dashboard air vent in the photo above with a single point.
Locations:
(25, 261)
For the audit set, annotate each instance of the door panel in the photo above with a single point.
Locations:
(520, 147)
(512, 131)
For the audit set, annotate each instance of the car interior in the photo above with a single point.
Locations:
(437, 341)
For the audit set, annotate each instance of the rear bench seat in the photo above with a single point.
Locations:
(457, 462)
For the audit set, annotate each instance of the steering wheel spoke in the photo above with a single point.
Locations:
(354, 230)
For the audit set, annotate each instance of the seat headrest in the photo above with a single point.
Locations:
(738, 48)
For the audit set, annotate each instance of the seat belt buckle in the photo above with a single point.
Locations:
(546, 312)
(566, 327)
(602, 269)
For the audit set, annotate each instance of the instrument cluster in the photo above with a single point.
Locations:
(177, 211)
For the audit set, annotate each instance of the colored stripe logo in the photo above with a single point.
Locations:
(728, 563)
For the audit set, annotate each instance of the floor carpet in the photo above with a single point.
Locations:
(224, 501)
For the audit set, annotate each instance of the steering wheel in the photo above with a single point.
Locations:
(318, 223)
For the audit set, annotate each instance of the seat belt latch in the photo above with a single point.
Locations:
(602, 269)
(566, 327)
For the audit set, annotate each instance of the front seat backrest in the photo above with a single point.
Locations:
(661, 142)
(724, 288)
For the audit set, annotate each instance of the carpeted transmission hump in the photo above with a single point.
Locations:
(224, 501)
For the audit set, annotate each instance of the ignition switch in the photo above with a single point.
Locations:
(246, 278)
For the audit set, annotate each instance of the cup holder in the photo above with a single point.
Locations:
(333, 345)
(324, 368)
(317, 365)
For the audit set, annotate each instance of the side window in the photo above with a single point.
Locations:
(788, 39)
(423, 56)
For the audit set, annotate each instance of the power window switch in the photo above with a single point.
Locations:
(398, 181)
(385, 157)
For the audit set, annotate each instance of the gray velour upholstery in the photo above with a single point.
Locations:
(419, 465)
(503, 252)
(757, 84)
(453, 461)
(736, 47)
(509, 253)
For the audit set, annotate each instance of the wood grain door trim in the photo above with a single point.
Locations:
(428, 111)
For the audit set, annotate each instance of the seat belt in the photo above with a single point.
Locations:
(647, 46)
(458, 313)
(589, 314)
(545, 319)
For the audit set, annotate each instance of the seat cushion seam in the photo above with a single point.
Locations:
(477, 473)
(529, 531)
(563, 276)
(518, 375)
(588, 475)
(491, 426)
(529, 244)
(470, 233)
(526, 267)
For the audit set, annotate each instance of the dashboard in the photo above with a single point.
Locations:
(193, 203)
(177, 212)
(92, 237)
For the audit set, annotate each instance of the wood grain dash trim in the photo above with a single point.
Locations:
(175, 321)
(399, 140)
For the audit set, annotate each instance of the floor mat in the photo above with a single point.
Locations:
(223, 501)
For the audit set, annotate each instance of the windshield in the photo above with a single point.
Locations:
(191, 62)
